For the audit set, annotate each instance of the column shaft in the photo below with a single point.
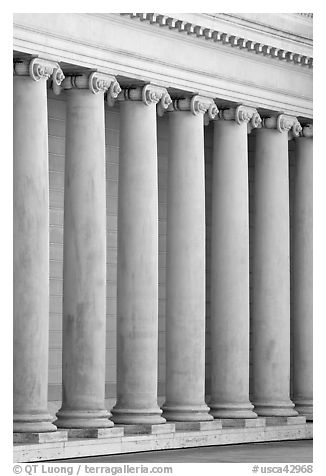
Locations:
(84, 272)
(302, 277)
(230, 273)
(185, 273)
(30, 256)
(271, 277)
(137, 280)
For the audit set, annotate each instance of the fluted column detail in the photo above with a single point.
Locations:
(230, 265)
(271, 272)
(31, 244)
(185, 267)
(137, 280)
(302, 274)
(84, 268)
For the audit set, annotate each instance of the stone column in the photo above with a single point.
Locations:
(271, 271)
(84, 269)
(137, 280)
(230, 265)
(31, 244)
(185, 267)
(302, 275)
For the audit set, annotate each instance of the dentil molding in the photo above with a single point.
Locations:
(223, 37)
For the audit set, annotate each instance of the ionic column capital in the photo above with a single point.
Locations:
(38, 68)
(96, 82)
(196, 105)
(283, 123)
(148, 94)
(241, 114)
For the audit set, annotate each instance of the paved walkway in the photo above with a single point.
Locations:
(299, 451)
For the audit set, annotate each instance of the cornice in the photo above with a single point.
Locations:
(287, 26)
(223, 37)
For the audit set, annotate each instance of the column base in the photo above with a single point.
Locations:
(232, 410)
(211, 425)
(186, 412)
(137, 416)
(83, 419)
(243, 422)
(97, 433)
(305, 408)
(167, 428)
(275, 409)
(283, 420)
(44, 437)
(34, 422)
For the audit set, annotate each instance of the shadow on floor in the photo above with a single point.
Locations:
(299, 451)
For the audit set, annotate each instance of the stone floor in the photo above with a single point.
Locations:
(299, 451)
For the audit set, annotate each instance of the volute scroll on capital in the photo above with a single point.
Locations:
(39, 68)
(203, 105)
(148, 94)
(96, 82)
(307, 131)
(99, 82)
(283, 123)
(242, 114)
(197, 105)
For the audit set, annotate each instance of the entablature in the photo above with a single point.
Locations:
(176, 59)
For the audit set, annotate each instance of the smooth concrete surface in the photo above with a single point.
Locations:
(84, 268)
(230, 273)
(137, 275)
(302, 277)
(185, 271)
(275, 452)
(271, 276)
(30, 256)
